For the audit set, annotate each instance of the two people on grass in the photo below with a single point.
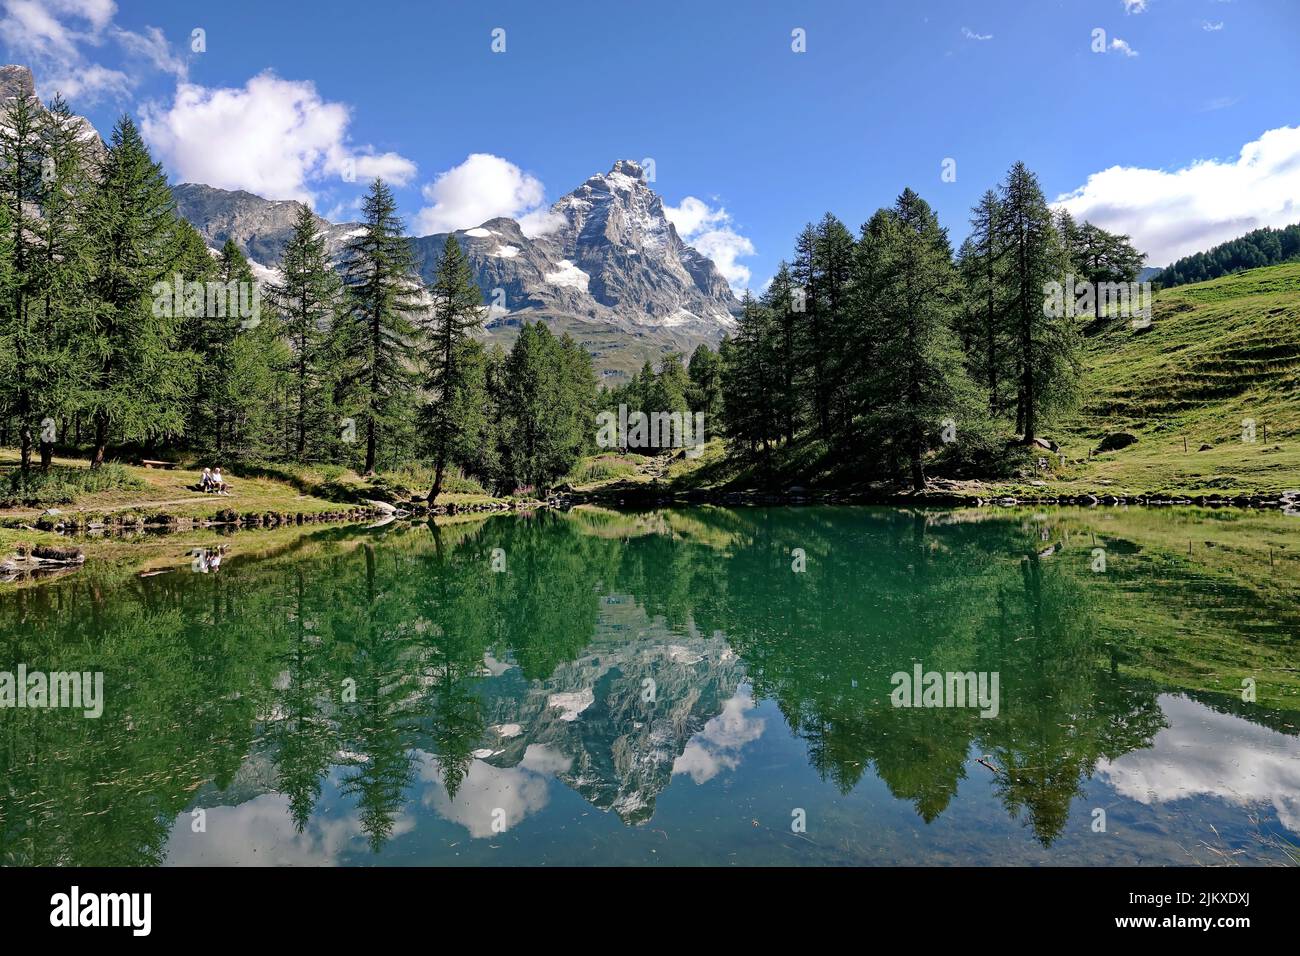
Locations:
(212, 481)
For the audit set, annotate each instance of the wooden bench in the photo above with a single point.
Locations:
(150, 463)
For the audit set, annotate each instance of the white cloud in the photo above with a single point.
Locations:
(1219, 103)
(717, 747)
(1211, 27)
(710, 231)
(488, 794)
(85, 84)
(970, 34)
(1173, 213)
(1135, 6)
(1203, 753)
(1123, 47)
(261, 832)
(540, 222)
(694, 216)
(484, 187)
(52, 37)
(153, 47)
(272, 136)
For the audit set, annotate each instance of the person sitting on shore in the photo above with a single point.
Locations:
(205, 481)
(219, 483)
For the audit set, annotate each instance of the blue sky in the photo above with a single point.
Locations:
(762, 137)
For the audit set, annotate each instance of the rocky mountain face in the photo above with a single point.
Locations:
(623, 744)
(17, 81)
(612, 271)
(260, 227)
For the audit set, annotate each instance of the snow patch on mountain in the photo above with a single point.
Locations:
(569, 276)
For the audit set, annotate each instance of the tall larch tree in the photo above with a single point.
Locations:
(21, 167)
(136, 385)
(920, 374)
(1044, 345)
(455, 418)
(379, 340)
(306, 301)
(62, 269)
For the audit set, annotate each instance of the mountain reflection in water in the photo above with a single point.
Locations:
(664, 688)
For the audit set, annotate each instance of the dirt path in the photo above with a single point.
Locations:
(655, 468)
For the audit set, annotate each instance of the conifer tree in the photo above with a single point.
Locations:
(21, 165)
(547, 406)
(137, 382)
(786, 304)
(456, 417)
(1044, 345)
(62, 269)
(194, 262)
(751, 383)
(805, 276)
(705, 393)
(1101, 257)
(834, 253)
(219, 394)
(377, 338)
(919, 379)
(983, 269)
(306, 299)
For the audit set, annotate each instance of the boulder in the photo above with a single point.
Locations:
(1115, 441)
(50, 553)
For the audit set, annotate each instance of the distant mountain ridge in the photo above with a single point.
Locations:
(612, 271)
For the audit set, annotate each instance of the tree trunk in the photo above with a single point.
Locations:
(302, 395)
(25, 444)
(438, 471)
(101, 439)
(1027, 386)
(370, 447)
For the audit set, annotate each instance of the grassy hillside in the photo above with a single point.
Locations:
(1216, 353)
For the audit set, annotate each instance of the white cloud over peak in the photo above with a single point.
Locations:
(484, 187)
(1173, 213)
(272, 136)
(710, 231)
(694, 216)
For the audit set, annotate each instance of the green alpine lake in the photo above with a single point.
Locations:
(682, 686)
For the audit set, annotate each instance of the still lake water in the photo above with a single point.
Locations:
(663, 688)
